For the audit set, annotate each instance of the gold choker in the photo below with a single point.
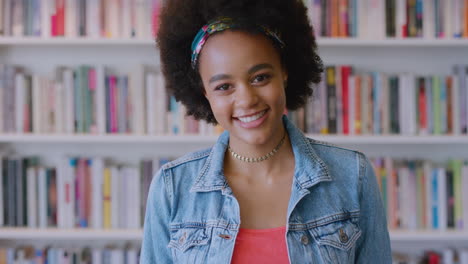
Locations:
(259, 159)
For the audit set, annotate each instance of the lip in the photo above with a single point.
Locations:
(255, 123)
(242, 116)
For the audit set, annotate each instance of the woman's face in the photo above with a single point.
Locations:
(244, 83)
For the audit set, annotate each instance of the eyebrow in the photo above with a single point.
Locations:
(219, 77)
(260, 67)
(255, 68)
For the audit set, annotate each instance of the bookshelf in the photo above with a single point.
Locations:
(41, 55)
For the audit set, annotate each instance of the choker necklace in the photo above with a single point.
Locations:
(259, 159)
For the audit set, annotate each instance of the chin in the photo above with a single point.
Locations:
(253, 138)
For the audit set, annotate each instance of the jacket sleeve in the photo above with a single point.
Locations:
(374, 244)
(156, 234)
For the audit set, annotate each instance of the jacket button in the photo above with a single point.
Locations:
(223, 236)
(304, 240)
(182, 238)
(343, 236)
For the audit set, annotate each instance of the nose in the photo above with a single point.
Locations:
(246, 96)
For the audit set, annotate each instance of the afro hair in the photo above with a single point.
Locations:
(180, 21)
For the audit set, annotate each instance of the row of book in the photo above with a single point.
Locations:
(424, 194)
(92, 99)
(352, 101)
(55, 255)
(97, 193)
(349, 101)
(446, 256)
(87, 18)
(378, 19)
(78, 192)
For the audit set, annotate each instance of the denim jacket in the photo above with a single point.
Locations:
(335, 212)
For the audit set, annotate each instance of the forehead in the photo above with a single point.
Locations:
(237, 50)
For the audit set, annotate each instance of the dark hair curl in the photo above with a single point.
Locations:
(180, 21)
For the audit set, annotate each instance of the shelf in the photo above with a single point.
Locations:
(392, 42)
(54, 234)
(397, 237)
(63, 138)
(117, 139)
(453, 236)
(35, 41)
(323, 42)
(413, 241)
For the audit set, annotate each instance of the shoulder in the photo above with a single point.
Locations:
(343, 164)
(188, 159)
(186, 168)
(330, 150)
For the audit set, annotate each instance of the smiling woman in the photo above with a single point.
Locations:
(264, 193)
(246, 95)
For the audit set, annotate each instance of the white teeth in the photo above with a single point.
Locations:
(252, 118)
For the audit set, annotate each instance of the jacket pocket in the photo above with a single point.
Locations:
(337, 240)
(189, 244)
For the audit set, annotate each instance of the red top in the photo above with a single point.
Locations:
(261, 246)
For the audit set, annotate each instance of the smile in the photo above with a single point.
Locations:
(252, 118)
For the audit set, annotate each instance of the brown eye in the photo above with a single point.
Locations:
(261, 78)
(222, 87)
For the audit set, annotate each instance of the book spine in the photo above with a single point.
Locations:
(443, 106)
(107, 202)
(345, 74)
(115, 190)
(331, 100)
(455, 105)
(42, 198)
(161, 105)
(422, 114)
(464, 194)
(70, 28)
(449, 101)
(100, 99)
(442, 199)
(436, 103)
(401, 19)
(457, 193)
(60, 18)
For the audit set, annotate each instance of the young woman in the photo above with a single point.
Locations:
(264, 193)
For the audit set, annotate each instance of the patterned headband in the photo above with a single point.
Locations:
(218, 25)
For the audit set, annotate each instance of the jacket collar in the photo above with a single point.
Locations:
(309, 168)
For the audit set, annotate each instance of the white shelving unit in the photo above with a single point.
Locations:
(136, 235)
(402, 240)
(389, 55)
(323, 42)
(191, 138)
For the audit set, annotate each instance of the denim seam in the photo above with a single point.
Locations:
(168, 186)
(346, 245)
(309, 150)
(218, 224)
(191, 157)
(309, 183)
(203, 171)
(362, 171)
(327, 144)
(324, 221)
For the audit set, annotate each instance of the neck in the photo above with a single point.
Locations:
(264, 169)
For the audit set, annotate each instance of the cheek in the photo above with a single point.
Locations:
(278, 96)
(220, 107)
